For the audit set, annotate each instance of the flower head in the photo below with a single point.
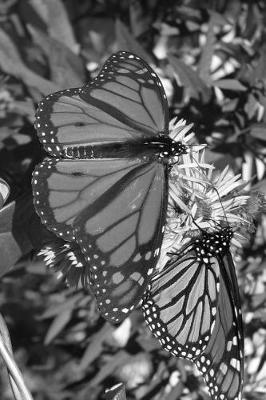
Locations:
(202, 198)
(67, 261)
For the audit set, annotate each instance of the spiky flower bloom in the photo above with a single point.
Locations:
(66, 260)
(202, 198)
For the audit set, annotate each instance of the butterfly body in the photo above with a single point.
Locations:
(161, 148)
(105, 183)
(193, 308)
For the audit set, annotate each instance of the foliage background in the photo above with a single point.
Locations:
(210, 56)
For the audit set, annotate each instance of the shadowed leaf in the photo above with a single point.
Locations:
(20, 231)
(230, 84)
(207, 54)
(66, 67)
(54, 14)
(189, 79)
(57, 326)
(95, 346)
(12, 64)
(126, 41)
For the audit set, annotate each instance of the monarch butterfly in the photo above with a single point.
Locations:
(105, 184)
(193, 308)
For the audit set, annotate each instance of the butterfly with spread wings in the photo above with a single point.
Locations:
(193, 307)
(105, 183)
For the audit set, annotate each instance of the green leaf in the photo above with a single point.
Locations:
(259, 73)
(127, 42)
(230, 84)
(108, 369)
(59, 27)
(230, 105)
(258, 131)
(12, 64)
(56, 309)
(66, 67)
(57, 326)
(207, 54)
(95, 346)
(251, 106)
(189, 79)
(139, 20)
(20, 231)
(25, 108)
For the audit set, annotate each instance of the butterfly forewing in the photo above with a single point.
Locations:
(126, 102)
(132, 93)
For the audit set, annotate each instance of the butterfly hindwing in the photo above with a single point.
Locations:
(211, 334)
(124, 103)
(181, 304)
(64, 188)
(124, 233)
(115, 211)
(222, 362)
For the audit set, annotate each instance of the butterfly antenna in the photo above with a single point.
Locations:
(207, 179)
(215, 189)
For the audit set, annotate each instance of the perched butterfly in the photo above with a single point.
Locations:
(193, 308)
(105, 185)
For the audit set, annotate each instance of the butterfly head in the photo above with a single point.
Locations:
(177, 149)
(167, 147)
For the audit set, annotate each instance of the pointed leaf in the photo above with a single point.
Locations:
(56, 309)
(59, 27)
(12, 64)
(189, 79)
(139, 19)
(207, 54)
(126, 41)
(66, 67)
(108, 369)
(230, 84)
(95, 346)
(57, 326)
(258, 131)
(20, 231)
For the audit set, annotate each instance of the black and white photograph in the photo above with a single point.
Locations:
(132, 200)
